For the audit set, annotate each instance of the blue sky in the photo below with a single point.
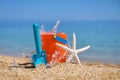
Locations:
(59, 9)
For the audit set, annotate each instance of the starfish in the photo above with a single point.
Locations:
(73, 51)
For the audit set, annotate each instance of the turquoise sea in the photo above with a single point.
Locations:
(16, 38)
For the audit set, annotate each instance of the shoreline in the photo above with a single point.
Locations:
(61, 71)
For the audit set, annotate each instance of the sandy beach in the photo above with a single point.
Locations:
(61, 71)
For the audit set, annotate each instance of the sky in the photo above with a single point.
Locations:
(59, 9)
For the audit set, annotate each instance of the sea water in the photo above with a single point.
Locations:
(16, 38)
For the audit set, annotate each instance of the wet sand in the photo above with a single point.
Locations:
(25, 71)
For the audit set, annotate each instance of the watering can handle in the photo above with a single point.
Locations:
(62, 40)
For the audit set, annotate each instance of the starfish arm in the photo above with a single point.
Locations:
(74, 42)
(77, 59)
(82, 49)
(64, 47)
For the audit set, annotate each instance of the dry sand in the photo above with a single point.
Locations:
(25, 71)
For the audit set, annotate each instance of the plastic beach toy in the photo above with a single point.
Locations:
(74, 52)
(40, 56)
(49, 45)
(49, 40)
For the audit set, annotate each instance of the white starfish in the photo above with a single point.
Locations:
(73, 51)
